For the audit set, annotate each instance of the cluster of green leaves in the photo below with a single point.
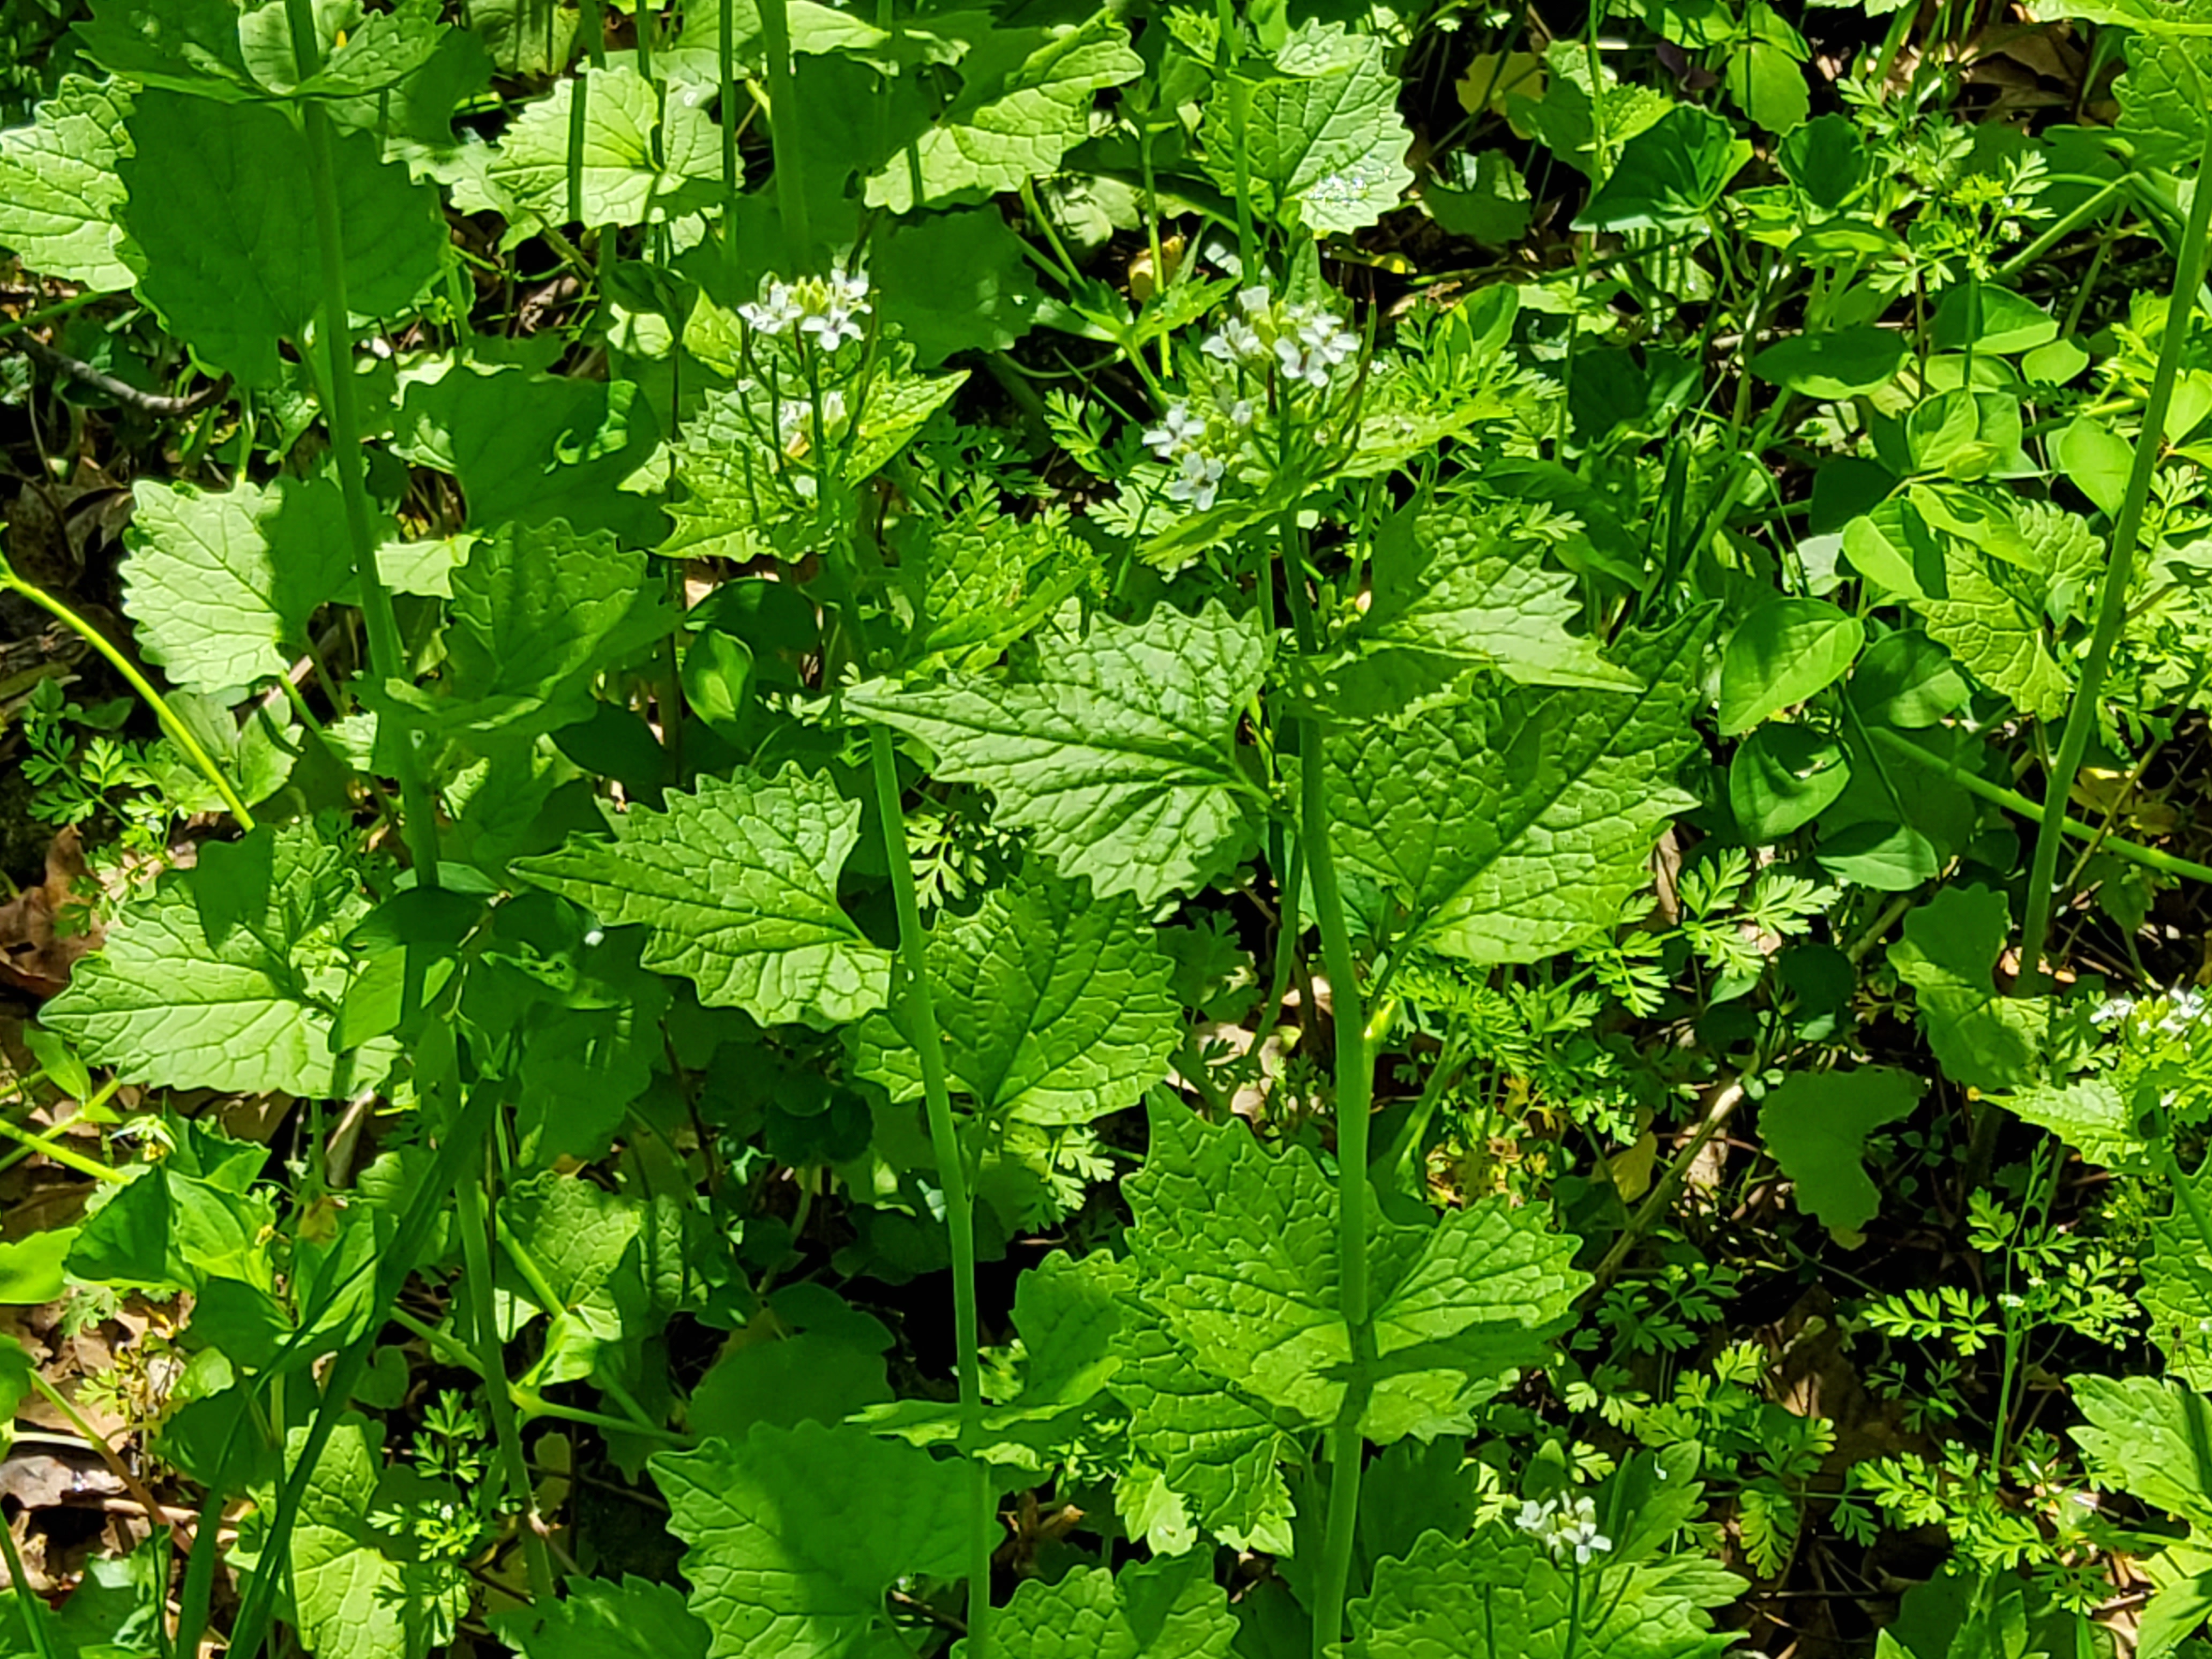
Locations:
(1600, 697)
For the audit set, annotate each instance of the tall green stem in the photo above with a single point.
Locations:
(470, 1212)
(783, 131)
(342, 409)
(2112, 598)
(944, 1140)
(1355, 1082)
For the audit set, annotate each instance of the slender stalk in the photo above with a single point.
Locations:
(920, 1010)
(475, 1258)
(1355, 1082)
(725, 63)
(2112, 598)
(342, 410)
(457, 1162)
(68, 1157)
(2133, 852)
(783, 132)
(35, 1621)
(173, 727)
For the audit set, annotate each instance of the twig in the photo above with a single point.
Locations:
(146, 403)
(1720, 1106)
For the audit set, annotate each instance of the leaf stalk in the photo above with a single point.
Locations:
(2112, 596)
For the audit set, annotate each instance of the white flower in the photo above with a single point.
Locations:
(1235, 342)
(1178, 428)
(1562, 1524)
(1241, 413)
(1199, 482)
(1254, 299)
(774, 312)
(830, 308)
(834, 325)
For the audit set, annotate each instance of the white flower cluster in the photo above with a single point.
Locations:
(1180, 440)
(1305, 342)
(828, 307)
(2178, 1010)
(1561, 1524)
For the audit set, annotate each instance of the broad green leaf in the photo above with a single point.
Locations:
(1215, 1454)
(598, 1618)
(738, 882)
(1768, 84)
(1151, 1610)
(1908, 681)
(220, 208)
(225, 975)
(530, 448)
(1325, 151)
(1781, 778)
(220, 586)
(1025, 101)
(1996, 636)
(2088, 1112)
(1782, 654)
(1840, 364)
(1949, 952)
(1499, 1597)
(1669, 176)
(536, 615)
(987, 579)
(1515, 827)
(526, 38)
(583, 1240)
(2177, 1283)
(955, 282)
(2176, 18)
(191, 45)
(2150, 1438)
(737, 459)
(2097, 459)
(648, 155)
(1481, 197)
(2165, 97)
(1815, 1124)
(361, 1590)
(31, 1268)
(58, 187)
(1984, 316)
(795, 1534)
(1569, 109)
(1118, 753)
(171, 1227)
(370, 53)
(1054, 1007)
(1235, 1252)
(2010, 570)
(1454, 592)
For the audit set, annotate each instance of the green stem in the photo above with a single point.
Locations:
(47, 314)
(65, 1157)
(476, 1258)
(2133, 852)
(921, 1009)
(456, 1162)
(1355, 1082)
(725, 64)
(138, 683)
(783, 126)
(42, 1642)
(2113, 600)
(342, 410)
